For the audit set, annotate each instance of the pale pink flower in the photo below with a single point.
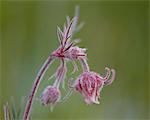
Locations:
(50, 96)
(90, 84)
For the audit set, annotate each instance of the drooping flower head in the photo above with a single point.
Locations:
(90, 84)
(50, 96)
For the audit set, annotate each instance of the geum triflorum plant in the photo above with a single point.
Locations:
(89, 83)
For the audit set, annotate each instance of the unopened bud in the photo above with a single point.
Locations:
(51, 95)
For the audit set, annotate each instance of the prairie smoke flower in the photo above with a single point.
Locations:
(90, 84)
(50, 96)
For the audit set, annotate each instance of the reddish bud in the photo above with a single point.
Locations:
(51, 95)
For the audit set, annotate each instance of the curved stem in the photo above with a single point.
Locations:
(35, 87)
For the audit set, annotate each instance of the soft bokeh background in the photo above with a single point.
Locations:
(116, 35)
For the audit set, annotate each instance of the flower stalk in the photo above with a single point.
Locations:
(35, 87)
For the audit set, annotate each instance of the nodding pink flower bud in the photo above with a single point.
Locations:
(89, 84)
(51, 95)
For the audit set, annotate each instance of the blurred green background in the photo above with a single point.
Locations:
(116, 35)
